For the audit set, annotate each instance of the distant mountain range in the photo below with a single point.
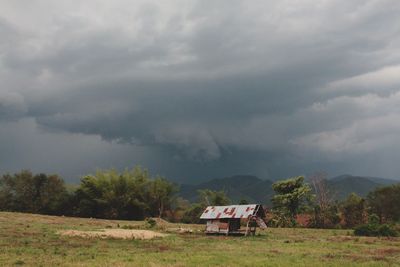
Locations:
(341, 186)
(256, 190)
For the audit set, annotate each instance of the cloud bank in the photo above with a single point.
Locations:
(197, 89)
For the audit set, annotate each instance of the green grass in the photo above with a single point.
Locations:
(27, 239)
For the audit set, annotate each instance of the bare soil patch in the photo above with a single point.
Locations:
(114, 233)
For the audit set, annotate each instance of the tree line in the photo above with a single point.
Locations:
(376, 214)
(135, 194)
(132, 194)
(107, 194)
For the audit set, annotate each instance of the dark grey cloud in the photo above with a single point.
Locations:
(210, 88)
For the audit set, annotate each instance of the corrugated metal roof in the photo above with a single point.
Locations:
(232, 211)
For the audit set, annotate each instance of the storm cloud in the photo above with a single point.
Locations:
(200, 89)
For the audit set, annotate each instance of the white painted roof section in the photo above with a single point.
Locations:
(232, 211)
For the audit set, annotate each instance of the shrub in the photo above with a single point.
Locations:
(387, 230)
(280, 219)
(151, 222)
(372, 229)
(192, 214)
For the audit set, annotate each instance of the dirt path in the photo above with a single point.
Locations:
(114, 233)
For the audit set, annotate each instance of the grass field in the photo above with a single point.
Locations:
(27, 239)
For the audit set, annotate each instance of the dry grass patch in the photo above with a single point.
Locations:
(387, 252)
(114, 233)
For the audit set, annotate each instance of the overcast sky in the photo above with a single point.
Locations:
(200, 89)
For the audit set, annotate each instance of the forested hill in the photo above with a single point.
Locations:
(256, 190)
(343, 185)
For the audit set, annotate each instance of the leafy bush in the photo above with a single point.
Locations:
(151, 222)
(192, 214)
(373, 229)
(280, 219)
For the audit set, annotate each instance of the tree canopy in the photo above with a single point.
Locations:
(385, 203)
(290, 196)
(25, 192)
(132, 194)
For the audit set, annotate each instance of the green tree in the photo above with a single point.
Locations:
(291, 196)
(206, 198)
(213, 198)
(326, 218)
(353, 210)
(18, 189)
(178, 209)
(384, 202)
(132, 194)
(193, 213)
(109, 194)
(326, 211)
(243, 202)
(38, 193)
(50, 194)
(6, 193)
(162, 194)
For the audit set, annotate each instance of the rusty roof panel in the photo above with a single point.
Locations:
(232, 211)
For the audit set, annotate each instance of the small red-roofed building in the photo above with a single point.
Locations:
(227, 219)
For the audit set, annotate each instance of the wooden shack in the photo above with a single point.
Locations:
(229, 219)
